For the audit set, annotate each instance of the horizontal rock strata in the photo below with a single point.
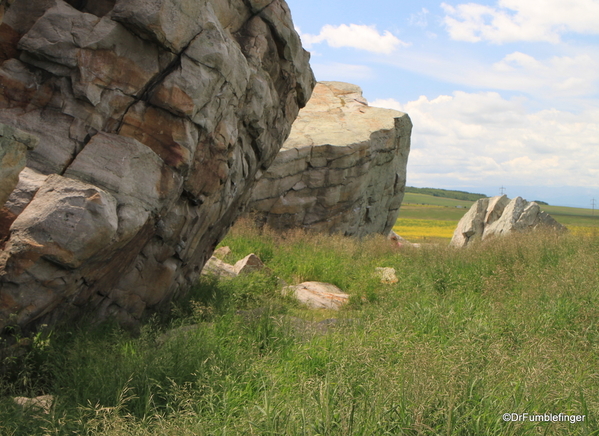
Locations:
(499, 216)
(343, 168)
(154, 118)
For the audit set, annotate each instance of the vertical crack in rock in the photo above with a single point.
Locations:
(145, 93)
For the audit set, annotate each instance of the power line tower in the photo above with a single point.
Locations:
(593, 206)
(502, 190)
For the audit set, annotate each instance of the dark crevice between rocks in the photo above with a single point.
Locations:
(146, 93)
(255, 11)
(76, 152)
(255, 133)
(94, 7)
(192, 199)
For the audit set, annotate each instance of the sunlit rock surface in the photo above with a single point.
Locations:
(343, 168)
(154, 118)
(499, 216)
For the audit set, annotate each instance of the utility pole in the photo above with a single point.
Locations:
(502, 190)
(593, 206)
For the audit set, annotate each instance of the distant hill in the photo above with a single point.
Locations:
(458, 195)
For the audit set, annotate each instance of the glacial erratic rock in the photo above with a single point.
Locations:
(342, 169)
(498, 216)
(154, 119)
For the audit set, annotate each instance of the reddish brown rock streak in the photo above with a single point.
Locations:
(154, 118)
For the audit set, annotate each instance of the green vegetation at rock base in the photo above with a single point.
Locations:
(464, 337)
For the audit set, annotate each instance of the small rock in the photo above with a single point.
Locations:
(248, 264)
(387, 275)
(401, 242)
(318, 295)
(222, 252)
(218, 268)
(43, 403)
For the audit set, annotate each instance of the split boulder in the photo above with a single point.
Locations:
(499, 216)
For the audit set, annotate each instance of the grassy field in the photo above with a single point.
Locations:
(425, 218)
(464, 337)
(410, 198)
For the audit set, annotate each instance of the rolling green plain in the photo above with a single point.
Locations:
(464, 337)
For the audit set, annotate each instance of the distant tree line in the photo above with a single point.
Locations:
(458, 195)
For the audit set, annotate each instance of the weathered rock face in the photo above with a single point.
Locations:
(13, 154)
(499, 216)
(343, 168)
(154, 118)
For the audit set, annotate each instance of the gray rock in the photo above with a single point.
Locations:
(248, 264)
(67, 222)
(154, 119)
(498, 216)
(318, 295)
(14, 145)
(342, 169)
(217, 267)
(222, 252)
(42, 403)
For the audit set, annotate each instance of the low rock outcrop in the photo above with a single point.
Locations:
(154, 119)
(343, 168)
(498, 216)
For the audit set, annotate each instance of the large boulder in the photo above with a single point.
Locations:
(155, 118)
(342, 169)
(499, 216)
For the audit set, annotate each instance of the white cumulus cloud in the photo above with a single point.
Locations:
(357, 36)
(483, 139)
(546, 79)
(517, 20)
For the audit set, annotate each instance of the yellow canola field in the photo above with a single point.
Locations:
(416, 229)
(584, 230)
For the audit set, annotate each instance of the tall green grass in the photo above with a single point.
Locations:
(465, 336)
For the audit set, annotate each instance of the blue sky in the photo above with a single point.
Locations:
(501, 93)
